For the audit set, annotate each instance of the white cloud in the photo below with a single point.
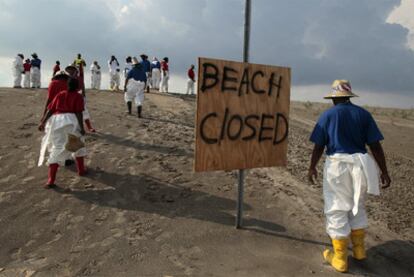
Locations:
(403, 15)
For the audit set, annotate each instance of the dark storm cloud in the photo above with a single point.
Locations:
(320, 39)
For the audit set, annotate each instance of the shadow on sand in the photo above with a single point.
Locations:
(173, 151)
(148, 194)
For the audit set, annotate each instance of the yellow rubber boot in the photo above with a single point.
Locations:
(339, 257)
(358, 245)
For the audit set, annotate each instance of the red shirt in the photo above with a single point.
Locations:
(56, 69)
(191, 74)
(27, 67)
(164, 66)
(55, 87)
(67, 102)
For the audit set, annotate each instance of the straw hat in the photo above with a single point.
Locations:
(74, 143)
(341, 88)
(60, 74)
(135, 60)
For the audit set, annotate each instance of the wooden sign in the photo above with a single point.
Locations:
(242, 115)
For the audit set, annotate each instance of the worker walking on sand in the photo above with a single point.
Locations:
(128, 66)
(155, 74)
(165, 75)
(135, 86)
(350, 172)
(63, 119)
(191, 80)
(35, 76)
(18, 70)
(95, 75)
(114, 78)
(26, 78)
(74, 73)
(147, 69)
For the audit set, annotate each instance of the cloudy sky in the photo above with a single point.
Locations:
(370, 42)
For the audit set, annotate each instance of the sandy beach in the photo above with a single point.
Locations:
(141, 211)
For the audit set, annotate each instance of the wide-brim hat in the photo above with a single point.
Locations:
(135, 60)
(34, 55)
(60, 74)
(74, 143)
(71, 66)
(341, 88)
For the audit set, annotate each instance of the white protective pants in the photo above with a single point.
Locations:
(35, 77)
(26, 79)
(346, 181)
(95, 81)
(17, 80)
(190, 87)
(135, 90)
(114, 81)
(155, 78)
(85, 113)
(56, 136)
(164, 81)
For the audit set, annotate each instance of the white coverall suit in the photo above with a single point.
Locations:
(155, 78)
(18, 71)
(135, 91)
(56, 136)
(115, 80)
(35, 76)
(165, 76)
(26, 79)
(347, 180)
(95, 77)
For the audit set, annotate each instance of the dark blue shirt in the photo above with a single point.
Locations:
(345, 128)
(137, 73)
(36, 63)
(147, 65)
(155, 64)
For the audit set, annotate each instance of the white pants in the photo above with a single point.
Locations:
(155, 78)
(26, 79)
(344, 187)
(35, 77)
(17, 74)
(56, 136)
(149, 79)
(85, 113)
(114, 81)
(164, 82)
(135, 90)
(95, 81)
(190, 86)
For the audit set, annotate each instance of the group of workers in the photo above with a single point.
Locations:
(157, 72)
(29, 69)
(344, 130)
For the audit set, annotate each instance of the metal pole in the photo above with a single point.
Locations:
(247, 31)
(239, 216)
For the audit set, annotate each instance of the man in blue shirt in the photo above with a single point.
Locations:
(155, 73)
(349, 174)
(135, 83)
(35, 71)
(147, 69)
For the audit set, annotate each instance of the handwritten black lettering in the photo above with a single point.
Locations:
(209, 76)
